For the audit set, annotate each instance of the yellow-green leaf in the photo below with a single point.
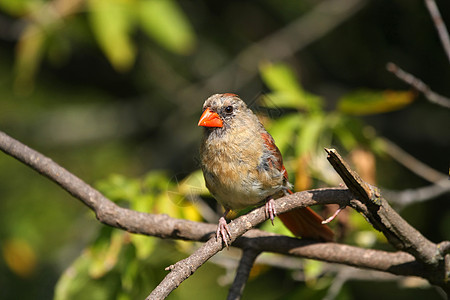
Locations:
(17, 7)
(165, 22)
(142, 202)
(283, 129)
(309, 134)
(312, 269)
(280, 78)
(29, 53)
(193, 184)
(112, 21)
(144, 245)
(343, 128)
(118, 187)
(105, 253)
(19, 256)
(128, 277)
(364, 102)
(280, 99)
(286, 88)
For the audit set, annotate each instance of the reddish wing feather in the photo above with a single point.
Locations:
(276, 160)
(229, 95)
(302, 222)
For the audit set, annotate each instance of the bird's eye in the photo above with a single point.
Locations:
(229, 109)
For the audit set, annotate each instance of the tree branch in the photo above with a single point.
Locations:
(440, 25)
(399, 233)
(401, 199)
(422, 263)
(411, 163)
(418, 85)
(245, 266)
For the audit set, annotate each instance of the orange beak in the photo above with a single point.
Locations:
(210, 119)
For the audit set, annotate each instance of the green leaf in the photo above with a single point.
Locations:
(344, 128)
(29, 54)
(16, 7)
(193, 184)
(82, 279)
(143, 203)
(312, 269)
(281, 99)
(365, 102)
(165, 22)
(308, 137)
(112, 21)
(277, 227)
(155, 181)
(144, 245)
(280, 78)
(283, 129)
(286, 87)
(118, 187)
(105, 253)
(73, 279)
(129, 276)
(365, 239)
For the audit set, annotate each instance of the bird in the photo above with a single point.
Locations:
(243, 167)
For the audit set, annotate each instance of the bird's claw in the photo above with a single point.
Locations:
(271, 212)
(333, 216)
(223, 231)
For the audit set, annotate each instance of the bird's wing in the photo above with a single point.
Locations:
(274, 158)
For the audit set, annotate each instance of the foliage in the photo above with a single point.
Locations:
(120, 265)
(110, 87)
(113, 23)
(117, 256)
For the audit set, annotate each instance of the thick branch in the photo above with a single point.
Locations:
(186, 267)
(377, 211)
(163, 226)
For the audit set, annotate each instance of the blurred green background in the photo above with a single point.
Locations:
(112, 90)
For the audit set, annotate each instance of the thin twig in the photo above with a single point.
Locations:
(338, 282)
(242, 273)
(412, 163)
(403, 198)
(440, 26)
(418, 85)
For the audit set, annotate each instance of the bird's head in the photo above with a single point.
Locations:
(220, 110)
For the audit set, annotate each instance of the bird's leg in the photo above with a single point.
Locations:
(334, 215)
(271, 212)
(222, 229)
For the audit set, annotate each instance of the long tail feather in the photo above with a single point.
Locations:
(304, 222)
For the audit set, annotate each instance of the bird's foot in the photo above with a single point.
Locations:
(333, 216)
(271, 212)
(223, 231)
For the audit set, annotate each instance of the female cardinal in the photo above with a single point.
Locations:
(243, 167)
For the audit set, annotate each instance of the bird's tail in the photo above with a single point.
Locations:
(304, 222)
